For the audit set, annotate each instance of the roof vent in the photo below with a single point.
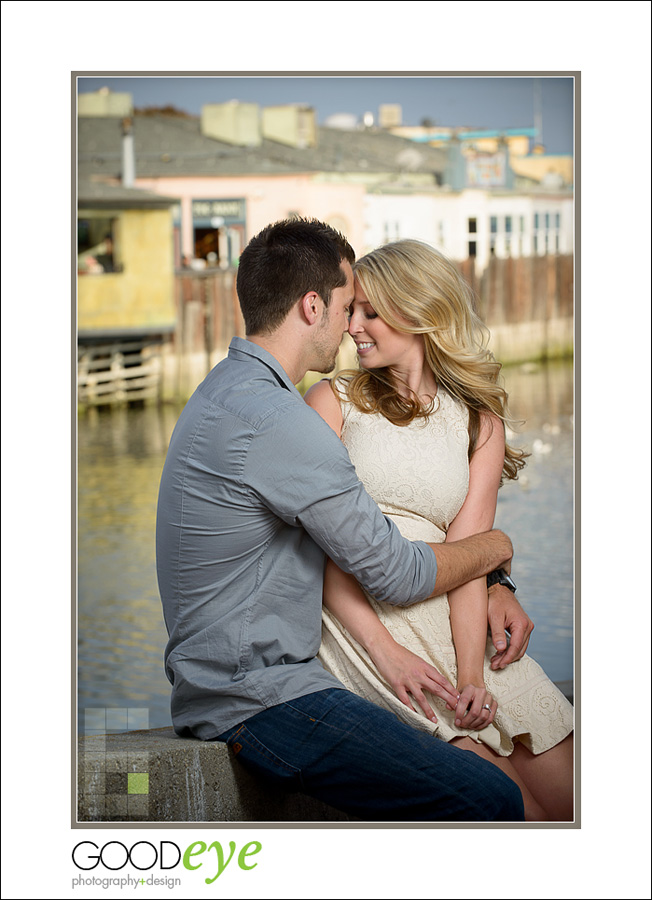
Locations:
(294, 125)
(233, 122)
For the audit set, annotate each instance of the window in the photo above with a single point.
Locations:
(473, 226)
(391, 231)
(493, 224)
(473, 249)
(97, 246)
(508, 224)
(536, 221)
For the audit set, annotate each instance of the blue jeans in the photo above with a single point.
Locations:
(359, 758)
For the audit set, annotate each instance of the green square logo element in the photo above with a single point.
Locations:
(137, 783)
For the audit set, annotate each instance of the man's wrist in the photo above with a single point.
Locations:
(504, 549)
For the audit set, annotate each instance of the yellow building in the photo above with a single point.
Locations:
(125, 261)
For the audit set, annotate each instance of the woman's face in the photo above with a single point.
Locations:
(377, 343)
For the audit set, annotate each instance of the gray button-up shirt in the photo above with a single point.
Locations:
(255, 491)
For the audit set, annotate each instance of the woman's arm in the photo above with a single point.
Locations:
(468, 603)
(405, 672)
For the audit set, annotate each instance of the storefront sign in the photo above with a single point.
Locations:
(228, 210)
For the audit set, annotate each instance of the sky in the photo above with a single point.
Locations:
(489, 102)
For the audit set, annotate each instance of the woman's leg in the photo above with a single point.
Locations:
(545, 780)
(549, 777)
(534, 812)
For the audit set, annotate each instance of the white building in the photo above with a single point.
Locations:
(474, 222)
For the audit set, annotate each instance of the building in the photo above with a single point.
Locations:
(473, 222)
(490, 203)
(125, 261)
(237, 168)
(125, 290)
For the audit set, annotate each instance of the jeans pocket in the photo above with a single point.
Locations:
(258, 758)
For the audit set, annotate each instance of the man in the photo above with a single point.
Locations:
(255, 492)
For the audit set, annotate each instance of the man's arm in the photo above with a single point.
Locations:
(471, 557)
(507, 614)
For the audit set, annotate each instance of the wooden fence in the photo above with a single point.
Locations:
(523, 290)
(208, 312)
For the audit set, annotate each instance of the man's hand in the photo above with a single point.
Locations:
(507, 614)
(409, 676)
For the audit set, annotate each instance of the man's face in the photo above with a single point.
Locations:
(334, 324)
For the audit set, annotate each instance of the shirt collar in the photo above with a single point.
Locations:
(242, 347)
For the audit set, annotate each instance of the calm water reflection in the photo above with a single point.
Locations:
(121, 454)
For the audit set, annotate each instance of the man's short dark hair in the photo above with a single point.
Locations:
(282, 263)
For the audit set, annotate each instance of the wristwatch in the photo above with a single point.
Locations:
(500, 576)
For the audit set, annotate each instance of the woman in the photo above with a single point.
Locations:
(423, 422)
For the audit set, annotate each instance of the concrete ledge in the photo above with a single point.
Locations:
(156, 776)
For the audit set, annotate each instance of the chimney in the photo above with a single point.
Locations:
(128, 155)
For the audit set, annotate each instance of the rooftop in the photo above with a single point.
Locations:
(100, 194)
(174, 146)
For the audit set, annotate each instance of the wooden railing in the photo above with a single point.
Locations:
(118, 372)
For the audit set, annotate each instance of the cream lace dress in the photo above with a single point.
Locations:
(419, 475)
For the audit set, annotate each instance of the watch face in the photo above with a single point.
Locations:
(500, 576)
(507, 581)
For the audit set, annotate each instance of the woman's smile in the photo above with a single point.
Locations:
(364, 346)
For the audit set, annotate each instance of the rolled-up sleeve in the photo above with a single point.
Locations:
(312, 483)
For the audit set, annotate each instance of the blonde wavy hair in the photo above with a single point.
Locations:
(416, 290)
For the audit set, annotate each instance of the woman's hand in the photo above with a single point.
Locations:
(409, 676)
(476, 707)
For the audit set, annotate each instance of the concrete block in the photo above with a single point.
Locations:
(187, 781)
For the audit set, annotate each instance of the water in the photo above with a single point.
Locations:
(121, 629)
(537, 512)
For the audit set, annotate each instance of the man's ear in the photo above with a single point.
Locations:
(311, 306)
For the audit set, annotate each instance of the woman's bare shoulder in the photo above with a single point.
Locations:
(323, 400)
